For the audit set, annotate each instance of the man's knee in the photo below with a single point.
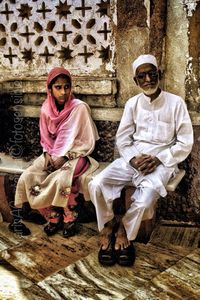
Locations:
(149, 204)
(146, 198)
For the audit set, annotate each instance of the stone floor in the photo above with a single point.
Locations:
(41, 268)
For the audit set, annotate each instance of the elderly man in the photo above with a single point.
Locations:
(155, 134)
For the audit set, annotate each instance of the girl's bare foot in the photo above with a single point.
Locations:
(121, 238)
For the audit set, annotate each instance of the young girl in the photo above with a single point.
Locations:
(68, 136)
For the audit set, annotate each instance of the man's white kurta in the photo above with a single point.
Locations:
(160, 128)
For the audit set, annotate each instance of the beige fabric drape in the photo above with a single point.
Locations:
(43, 190)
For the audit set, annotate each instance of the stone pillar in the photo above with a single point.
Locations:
(158, 24)
(176, 48)
(182, 68)
(193, 67)
(132, 39)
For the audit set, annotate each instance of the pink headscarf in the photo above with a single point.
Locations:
(49, 105)
(71, 130)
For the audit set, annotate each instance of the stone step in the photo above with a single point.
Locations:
(152, 277)
(86, 279)
(38, 256)
(67, 269)
(111, 114)
(98, 114)
(179, 282)
(15, 286)
(28, 259)
(180, 234)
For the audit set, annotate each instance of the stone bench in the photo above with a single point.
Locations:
(9, 165)
(98, 114)
(16, 166)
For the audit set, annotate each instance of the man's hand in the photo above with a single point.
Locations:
(144, 163)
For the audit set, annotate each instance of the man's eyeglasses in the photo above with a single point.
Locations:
(151, 74)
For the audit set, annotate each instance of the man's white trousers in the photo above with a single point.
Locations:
(107, 186)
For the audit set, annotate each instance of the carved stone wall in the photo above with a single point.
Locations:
(37, 35)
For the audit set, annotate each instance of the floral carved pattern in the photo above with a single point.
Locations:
(72, 32)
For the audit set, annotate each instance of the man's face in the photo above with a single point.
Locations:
(147, 78)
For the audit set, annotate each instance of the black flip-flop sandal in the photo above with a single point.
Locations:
(126, 256)
(52, 228)
(107, 257)
(70, 229)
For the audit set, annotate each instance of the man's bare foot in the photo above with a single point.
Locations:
(107, 254)
(105, 235)
(121, 238)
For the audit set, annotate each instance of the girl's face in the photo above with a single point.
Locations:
(61, 89)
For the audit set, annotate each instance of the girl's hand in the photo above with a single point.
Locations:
(59, 162)
(49, 163)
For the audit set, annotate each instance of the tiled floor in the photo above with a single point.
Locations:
(38, 267)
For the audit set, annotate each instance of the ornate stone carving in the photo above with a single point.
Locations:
(37, 35)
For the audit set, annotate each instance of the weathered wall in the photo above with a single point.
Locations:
(132, 39)
(115, 33)
(184, 203)
(141, 29)
(182, 51)
(192, 84)
(158, 24)
(176, 48)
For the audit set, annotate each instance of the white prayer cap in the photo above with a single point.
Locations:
(144, 59)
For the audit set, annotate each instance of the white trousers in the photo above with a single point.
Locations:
(107, 186)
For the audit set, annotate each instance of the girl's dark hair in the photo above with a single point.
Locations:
(54, 80)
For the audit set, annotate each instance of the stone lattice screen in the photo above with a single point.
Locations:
(38, 35)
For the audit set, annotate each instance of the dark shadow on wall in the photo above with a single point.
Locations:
(19, 136)
(6, 121)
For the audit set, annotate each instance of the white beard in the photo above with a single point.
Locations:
(150, 91)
